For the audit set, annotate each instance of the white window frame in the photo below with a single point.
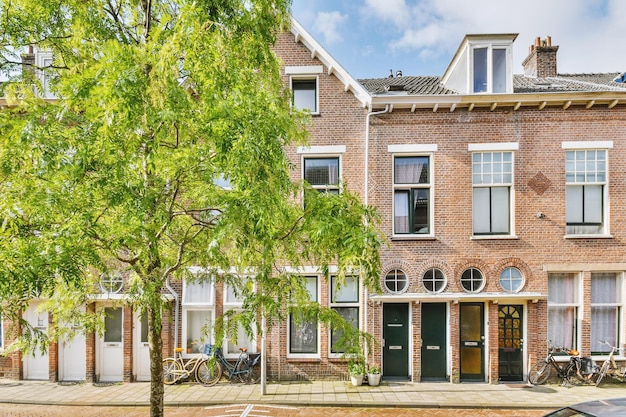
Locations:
(339, 304)
(306, 78)
(306, 73)
(308, 355)
(490, 47)
(413, 186)
(236, 305)
(493, 148)
(188, 306)
(325, 187)
(1, 334)
(576, 304)
(584, 146)
(619, 304)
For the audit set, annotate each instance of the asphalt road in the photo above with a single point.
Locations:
(243, 410)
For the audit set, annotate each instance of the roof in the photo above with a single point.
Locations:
(432, 85)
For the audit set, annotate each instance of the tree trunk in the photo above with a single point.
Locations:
(157, 390)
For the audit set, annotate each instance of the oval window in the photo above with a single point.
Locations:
(111, 282)
(472, 280)
(434, 280)
(511, 280)
(396, 281)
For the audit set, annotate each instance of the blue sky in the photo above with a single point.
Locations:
(419, 37)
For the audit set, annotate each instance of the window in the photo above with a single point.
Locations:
(472, 280)
(198, 312)
(492, 177)
(490, 71)
(563, 309)
(396, 281)
(303, 332)
(585, 178)
(511, 280)
(1, 334)
(434, 280)
(305, 96)
(606, 309)
(322, 174)
(233, 300)
(345, 301)
(111, 282)
(412, 195)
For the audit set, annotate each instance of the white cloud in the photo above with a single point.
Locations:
(329, 24)
(394, 11)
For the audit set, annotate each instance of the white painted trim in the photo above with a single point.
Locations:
(330, 149)
(410, 148)
(310, 270)
(304, 69)
(503, 146)
(588, 144)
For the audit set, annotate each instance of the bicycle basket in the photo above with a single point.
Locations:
(208, 349)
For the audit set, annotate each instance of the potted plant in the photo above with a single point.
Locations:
(357, 372)
(373, 375)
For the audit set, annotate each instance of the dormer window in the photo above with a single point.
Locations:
(482, 65)
(490, 72)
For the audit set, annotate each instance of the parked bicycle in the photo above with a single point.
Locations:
(609, 367)
(244, 369)
(573, 372)
(176, 369)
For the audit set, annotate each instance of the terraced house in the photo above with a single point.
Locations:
(501, 192)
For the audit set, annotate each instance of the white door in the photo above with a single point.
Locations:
(73, 356)
(36, 366)
(141, 351)
(111, 344)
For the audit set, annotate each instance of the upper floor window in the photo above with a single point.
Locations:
(585, 191)
(412, 200)
(322, 173)
(492, 178)
(305, 94)
(489, 69)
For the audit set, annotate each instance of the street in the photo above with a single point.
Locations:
(254, 410)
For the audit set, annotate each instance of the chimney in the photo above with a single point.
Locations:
(541, 59)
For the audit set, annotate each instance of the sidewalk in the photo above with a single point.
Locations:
(317, 393)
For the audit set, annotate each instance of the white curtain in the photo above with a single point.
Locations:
(604, 310)
(408, 170)
(401, 211)
(562, 318)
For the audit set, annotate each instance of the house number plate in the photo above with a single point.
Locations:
(432, 347)
(395, 347)
(471, 343)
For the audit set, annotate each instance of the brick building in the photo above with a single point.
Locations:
(500, 196)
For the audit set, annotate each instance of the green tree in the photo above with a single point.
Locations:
(156, 102)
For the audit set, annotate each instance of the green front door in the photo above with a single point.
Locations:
(396, 341)
(510, 358)
(434, 352)
(472, 334)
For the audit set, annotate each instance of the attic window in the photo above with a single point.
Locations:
(489, 69)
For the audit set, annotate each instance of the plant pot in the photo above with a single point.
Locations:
(373, 379)
(356, 380)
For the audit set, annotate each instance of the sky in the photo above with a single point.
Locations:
(420, 37)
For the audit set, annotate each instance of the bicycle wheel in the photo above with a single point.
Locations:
(248, 374)
(171, 371)
(208, 373)
(602, 373)
(573, 376)
(539, 373)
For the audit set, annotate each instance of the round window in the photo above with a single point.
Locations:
(434, 280)
(472, 280)
(111, 282)
(396, 281)
(511, 280)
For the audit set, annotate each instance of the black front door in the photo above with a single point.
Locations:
(396, 341)
(434, 352)
(472, 342)
(510, 342)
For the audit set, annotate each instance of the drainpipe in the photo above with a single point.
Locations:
(175, 294)
(366, 195)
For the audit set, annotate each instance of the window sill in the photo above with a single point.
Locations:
(588, 236)
(412, 237)
(299, 359)
(495, 237)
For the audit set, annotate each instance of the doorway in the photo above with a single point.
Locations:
(73, 354)
(112, 346)
(434, 342)
(141, 347)
(510, 343)
(396, 341)
(472, 336)
(37, 364)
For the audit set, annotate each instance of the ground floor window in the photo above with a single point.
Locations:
(198, 312)
(606, 309)
(233, 301)
(344, 299)
(563, 305)
(303, 331)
